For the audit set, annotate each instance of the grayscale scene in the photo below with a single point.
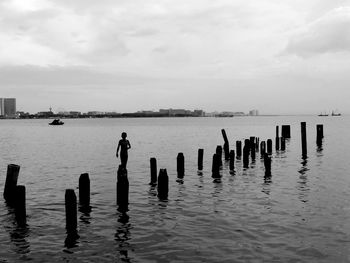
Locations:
(175, 131)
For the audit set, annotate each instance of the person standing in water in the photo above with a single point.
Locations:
(124, 146)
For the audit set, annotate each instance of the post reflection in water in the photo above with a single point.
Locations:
(302, 183)
(267, 184)
(71, 240)
(18, 234)
(122, 237)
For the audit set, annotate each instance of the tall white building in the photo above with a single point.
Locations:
(7, 107)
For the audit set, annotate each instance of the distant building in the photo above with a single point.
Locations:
(8, 107)
(198, 113)
(253, 113)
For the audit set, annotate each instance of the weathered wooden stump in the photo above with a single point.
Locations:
(84, 190)
(216, 166)
(232, 160)
(226, 145)
(238, 149)
(269, 146)
(11, 183)
(122, 189)
(319, 134)
(303, 139)
(267, 164)
(71, 210)
(180, 165)
(163, 185)
(20, 205)
(246, 151)
(286, 131)
(200, 159)
(283, 144)
(153, 168)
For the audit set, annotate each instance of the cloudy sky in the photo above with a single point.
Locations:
(279, 56)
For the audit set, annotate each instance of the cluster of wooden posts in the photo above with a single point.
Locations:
(15, 195)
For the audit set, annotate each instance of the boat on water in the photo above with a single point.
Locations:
(323, 114)
(56, 122)
(334, 113)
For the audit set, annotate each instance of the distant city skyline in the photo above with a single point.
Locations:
(281, 57)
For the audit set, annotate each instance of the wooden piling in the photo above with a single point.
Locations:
(257, 143)
(267, 164)
(286, 131)
(215, 169)
(319, 132)
(238, 149)
(303, 139)
(153, 168)
(226, 145)
(219, 153)
(269, 146)
(11, 183)
(232, 160)
(122, 189)
(252, 150)
(84, 190)
(163, 184)
(71, 210)
(262, 148)
(20, 205)
(180, 165)
(200, 159)
(283, 144)
(246, 151)
(277, 139)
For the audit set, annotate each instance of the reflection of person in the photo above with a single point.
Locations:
(124, 146)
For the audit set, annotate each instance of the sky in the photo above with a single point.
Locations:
(277, 56)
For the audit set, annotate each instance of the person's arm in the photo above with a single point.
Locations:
(129, 145)
(118, 149)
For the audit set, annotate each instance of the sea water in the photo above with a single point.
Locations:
(300, 214)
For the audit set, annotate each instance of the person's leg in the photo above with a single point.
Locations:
(124, 160)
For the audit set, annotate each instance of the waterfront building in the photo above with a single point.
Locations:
(7, 107)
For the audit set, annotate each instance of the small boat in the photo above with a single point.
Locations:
(336, 113)
(56, 122)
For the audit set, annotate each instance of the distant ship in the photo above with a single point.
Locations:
(335, 113)
(323, 114)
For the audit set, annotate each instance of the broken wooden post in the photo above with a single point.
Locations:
(246, 151)
(180, 165)
(286, 131)
(219, 153)
(277, 139)
(200, 159)
(319, 132)
(215, 169)
(226, 145)
(153, 168)
(238, 149)
(122, 189)
(11, 183)
(84, 190)
(262, 148)
(71, 210)
(232, 160)
(20, 205)
(283, 144)
(163, 185)
(267, 164)
(303, 139)
(269, 146)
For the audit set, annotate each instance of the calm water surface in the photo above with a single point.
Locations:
(301, 215)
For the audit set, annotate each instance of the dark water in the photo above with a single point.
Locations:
(301, 215)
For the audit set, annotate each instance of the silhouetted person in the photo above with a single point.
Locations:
(124, 145)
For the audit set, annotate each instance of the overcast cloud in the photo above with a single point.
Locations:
(131, 55)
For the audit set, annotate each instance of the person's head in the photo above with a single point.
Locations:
(124, 135)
